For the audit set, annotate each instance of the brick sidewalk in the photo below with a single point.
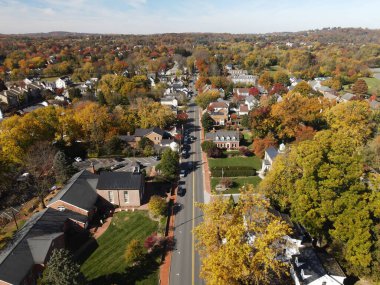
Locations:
(165, 266)
(206, 171)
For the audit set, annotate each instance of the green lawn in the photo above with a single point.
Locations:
(106, 265)
(373, 85)
(238, 182)
(236, 161)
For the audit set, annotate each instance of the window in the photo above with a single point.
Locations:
(126, 197)
(110, 196)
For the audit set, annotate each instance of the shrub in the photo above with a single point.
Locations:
(157, 206)
(134, 252)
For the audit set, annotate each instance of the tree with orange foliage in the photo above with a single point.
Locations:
(260, 145)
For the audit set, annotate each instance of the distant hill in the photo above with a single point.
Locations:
(325, 36)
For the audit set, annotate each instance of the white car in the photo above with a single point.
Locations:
(182, 173)
(78, 159)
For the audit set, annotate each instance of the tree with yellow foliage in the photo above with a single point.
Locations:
(239, 244)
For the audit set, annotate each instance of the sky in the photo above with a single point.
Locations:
(178, 16)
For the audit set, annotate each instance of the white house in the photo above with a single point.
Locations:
(269, 157)
(237, 72)
(170, 101)
(244, 79)
(310, 267)
(62, 82)
(251, 102)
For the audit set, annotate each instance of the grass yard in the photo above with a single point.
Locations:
(373, 85)
(253, 161)
(106, 265)
(238, 182)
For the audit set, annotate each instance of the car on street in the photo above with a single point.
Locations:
(181, 191)
(156, 158)
(78, 159)
(182, 173)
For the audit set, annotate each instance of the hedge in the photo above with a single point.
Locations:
(233, 171)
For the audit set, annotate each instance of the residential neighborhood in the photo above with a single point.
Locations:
(154, 145)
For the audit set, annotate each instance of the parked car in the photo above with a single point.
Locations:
(119, 159)
(78, 159)
(182, 173)
(181, 191)
(156, 158)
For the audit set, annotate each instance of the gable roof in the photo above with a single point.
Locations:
(119, 181)
(80, 191)
(272, 152)
(216, 136)
(348, 96)
(31, 243)
(144, 132)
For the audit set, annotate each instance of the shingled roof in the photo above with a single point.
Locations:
(32, 242)
(119, 181)
(80, 191)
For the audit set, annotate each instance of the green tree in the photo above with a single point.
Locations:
(74, 93)
(207, 122)
(157, 206)
(62, 270)
(62, 167)
(244, 121)
(207, 145)
(134, 252)
(281, 77)
(204, 99)
(169, 164)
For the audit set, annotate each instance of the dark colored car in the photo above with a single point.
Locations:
(181, 191)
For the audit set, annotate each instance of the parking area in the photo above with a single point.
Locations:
(104, 163)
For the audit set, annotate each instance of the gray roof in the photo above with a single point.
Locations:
(310, 265)
(31, 243)
(315, 265)
(80, 191)
(348, 96)
(144, 132)
(127, 138)
(119, 181)
(272, 152)
(223, 134)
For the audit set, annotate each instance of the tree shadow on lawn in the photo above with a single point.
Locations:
(149, 264)
(131, 274)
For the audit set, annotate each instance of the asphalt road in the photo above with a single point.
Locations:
(185, 263)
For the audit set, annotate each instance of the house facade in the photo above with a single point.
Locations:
(269, 157)
(154, 134)
(229, 140)
(122, 189)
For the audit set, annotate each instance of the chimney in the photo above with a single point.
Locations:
(92, 168)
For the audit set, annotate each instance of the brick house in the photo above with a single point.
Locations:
(23, 260)
(79, 195)
(124, 189)
(229, 140)
(154, 134)
(219, 112)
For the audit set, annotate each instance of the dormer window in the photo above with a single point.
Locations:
(217, 138)
(228, 138)
(222, 138)
(234, 138)
(61, 208)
